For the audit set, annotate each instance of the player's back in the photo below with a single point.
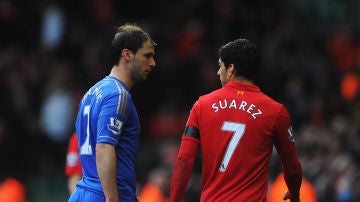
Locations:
(92, 125)
(236, 127)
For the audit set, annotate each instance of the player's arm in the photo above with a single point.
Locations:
(285, 146)
(106, 167)
(72, 181)
(184, 163)
(186, 157)
(108, 135)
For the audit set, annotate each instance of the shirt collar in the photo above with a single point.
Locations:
(242, 86)
(122, 83)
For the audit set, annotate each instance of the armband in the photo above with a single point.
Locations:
(192, 132)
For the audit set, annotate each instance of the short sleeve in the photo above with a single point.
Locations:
(111, 118)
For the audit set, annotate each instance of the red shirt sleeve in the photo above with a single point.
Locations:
(73, 164)
(185, 161)
(285, 145)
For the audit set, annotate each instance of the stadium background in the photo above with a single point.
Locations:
(51, 52)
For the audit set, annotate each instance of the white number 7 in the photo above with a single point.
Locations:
(238, 129)
(85, 148)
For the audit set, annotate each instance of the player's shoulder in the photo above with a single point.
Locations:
(210, 97)
(270, 100)
(271, 103)
(211, 94)
(110, 86)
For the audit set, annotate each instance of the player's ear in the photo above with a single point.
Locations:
(126, 54)
(231, 70)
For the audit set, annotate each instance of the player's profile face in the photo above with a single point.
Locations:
(143, 62)
(222, 72)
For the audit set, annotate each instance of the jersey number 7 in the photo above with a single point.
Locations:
(238, 130)
(85, 148)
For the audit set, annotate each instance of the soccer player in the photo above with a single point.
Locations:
(107, 123)
(73, 164)
(235, 128)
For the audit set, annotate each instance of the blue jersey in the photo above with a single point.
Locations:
(107, 115)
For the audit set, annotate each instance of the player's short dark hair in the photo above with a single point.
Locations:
(129, 36)
(244, 55)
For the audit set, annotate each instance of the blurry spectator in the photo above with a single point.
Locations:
(58, 108)
(168, 152)
(73, 164)
(350, 85)
(53, 27)
(157, 187)
(11, 190)
(188, 40)
(167, 122)
(278, 188)
(343, 49)
(57, 115)
(342, 167)
(101, 10)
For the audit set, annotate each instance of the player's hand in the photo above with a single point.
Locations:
(288, 196)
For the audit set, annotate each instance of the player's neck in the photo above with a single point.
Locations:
(122, 75)
(243, 80)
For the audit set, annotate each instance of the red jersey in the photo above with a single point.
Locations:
(237, 126)
(73, 164)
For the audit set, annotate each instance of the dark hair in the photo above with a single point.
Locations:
(128, 36)
(244, 55)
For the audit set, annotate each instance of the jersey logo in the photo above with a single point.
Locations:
(115, 125)
(240, 92)
(291, 134)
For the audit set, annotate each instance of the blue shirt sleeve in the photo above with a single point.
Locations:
(111, 118)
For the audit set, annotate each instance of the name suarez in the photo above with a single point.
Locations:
(242, 105)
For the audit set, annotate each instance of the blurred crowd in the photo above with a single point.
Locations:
(51, 52)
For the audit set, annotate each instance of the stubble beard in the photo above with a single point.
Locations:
(135, 72)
